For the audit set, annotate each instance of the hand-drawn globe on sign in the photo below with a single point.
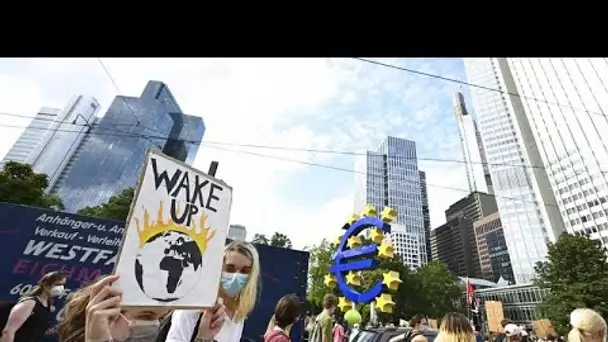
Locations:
(168, 266)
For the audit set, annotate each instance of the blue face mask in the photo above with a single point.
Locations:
(233, 283)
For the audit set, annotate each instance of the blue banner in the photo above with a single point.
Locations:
(35, 241)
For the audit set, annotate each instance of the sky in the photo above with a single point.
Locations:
(339, 105)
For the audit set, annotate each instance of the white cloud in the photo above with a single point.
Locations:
(300, 103)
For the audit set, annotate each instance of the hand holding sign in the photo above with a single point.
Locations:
(102, 311)
(212, 321)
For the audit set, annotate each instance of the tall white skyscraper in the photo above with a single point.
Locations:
(472, 148)
(566, 101)
(32, 136)
(524, 195)
(390, 177)
(53, 136)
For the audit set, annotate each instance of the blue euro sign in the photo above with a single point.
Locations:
(341, 265)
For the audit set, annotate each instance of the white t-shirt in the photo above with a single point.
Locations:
(183, 323)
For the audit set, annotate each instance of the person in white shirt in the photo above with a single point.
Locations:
(239, 290)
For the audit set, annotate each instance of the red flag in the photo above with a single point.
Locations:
(471, 300)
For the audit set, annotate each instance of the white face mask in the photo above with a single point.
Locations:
(56, 290)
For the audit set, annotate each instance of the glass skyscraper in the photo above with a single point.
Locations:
(111, 154)
(53, 136)
(390, 177)
(32, 136)
(525, 198)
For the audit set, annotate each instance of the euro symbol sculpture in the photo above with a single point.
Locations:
(345, 272)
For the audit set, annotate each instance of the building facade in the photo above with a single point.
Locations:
(32, 136)
(520, 302)
(390, 177)
(494, 259)
(111, 154)
(449, 243)
(569, 125)
(476, 167)
(454, 243)
(426, 215)
(529, 213)
(237, 232)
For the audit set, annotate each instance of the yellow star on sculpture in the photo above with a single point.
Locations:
(391, 280)
(330, 280)
(386, 250)
(385, 303)
(354, 241)
(352, 218)
(369, 211)
(344, 304)
(388, 215)
(377, 235)
(337, 240)
(353, 278)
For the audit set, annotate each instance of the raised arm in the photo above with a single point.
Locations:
(19, 314)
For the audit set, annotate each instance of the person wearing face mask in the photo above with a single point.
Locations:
(29, 319)
(238, 289)
(93, 314)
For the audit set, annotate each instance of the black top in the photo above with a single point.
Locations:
(34, 328)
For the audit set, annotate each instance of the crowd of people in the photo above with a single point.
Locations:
(93, 314)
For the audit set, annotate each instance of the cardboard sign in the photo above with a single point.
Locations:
(543, 326)
(172, 251)
(495, 315)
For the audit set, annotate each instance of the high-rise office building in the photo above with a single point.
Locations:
(529, 213)
(237, 232)
(390, 177)
(426, 215)
(32, 136)
(492, 249)
(460, 218)
(52, 141)
(565, 101)
(476, 168)
(111, 154)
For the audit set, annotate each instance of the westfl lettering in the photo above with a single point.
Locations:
(59, 251)
(198, 191)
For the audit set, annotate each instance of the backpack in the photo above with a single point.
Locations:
(5, 311)
(316, 334)
(165, 326)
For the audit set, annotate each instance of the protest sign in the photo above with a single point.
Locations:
(172, 251)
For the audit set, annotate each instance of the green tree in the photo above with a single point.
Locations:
(280, 240)
(438, 291)
(318, 267)
(20, 184)
(260, 239)
(117, 207)
(576, 274)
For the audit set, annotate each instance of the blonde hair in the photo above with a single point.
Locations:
(73, 317)
(586, 325)
(244, 303)
(455, 327)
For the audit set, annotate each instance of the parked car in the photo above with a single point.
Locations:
(385, 334)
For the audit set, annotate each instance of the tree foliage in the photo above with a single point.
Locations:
(277, 240)
(20, 184)
(431, 290)
(576, 274)
(117, 207)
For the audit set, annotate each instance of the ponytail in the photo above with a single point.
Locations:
(575, 335)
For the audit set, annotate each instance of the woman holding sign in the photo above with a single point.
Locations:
(29, 318)
(239, 289)
(93, 314)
